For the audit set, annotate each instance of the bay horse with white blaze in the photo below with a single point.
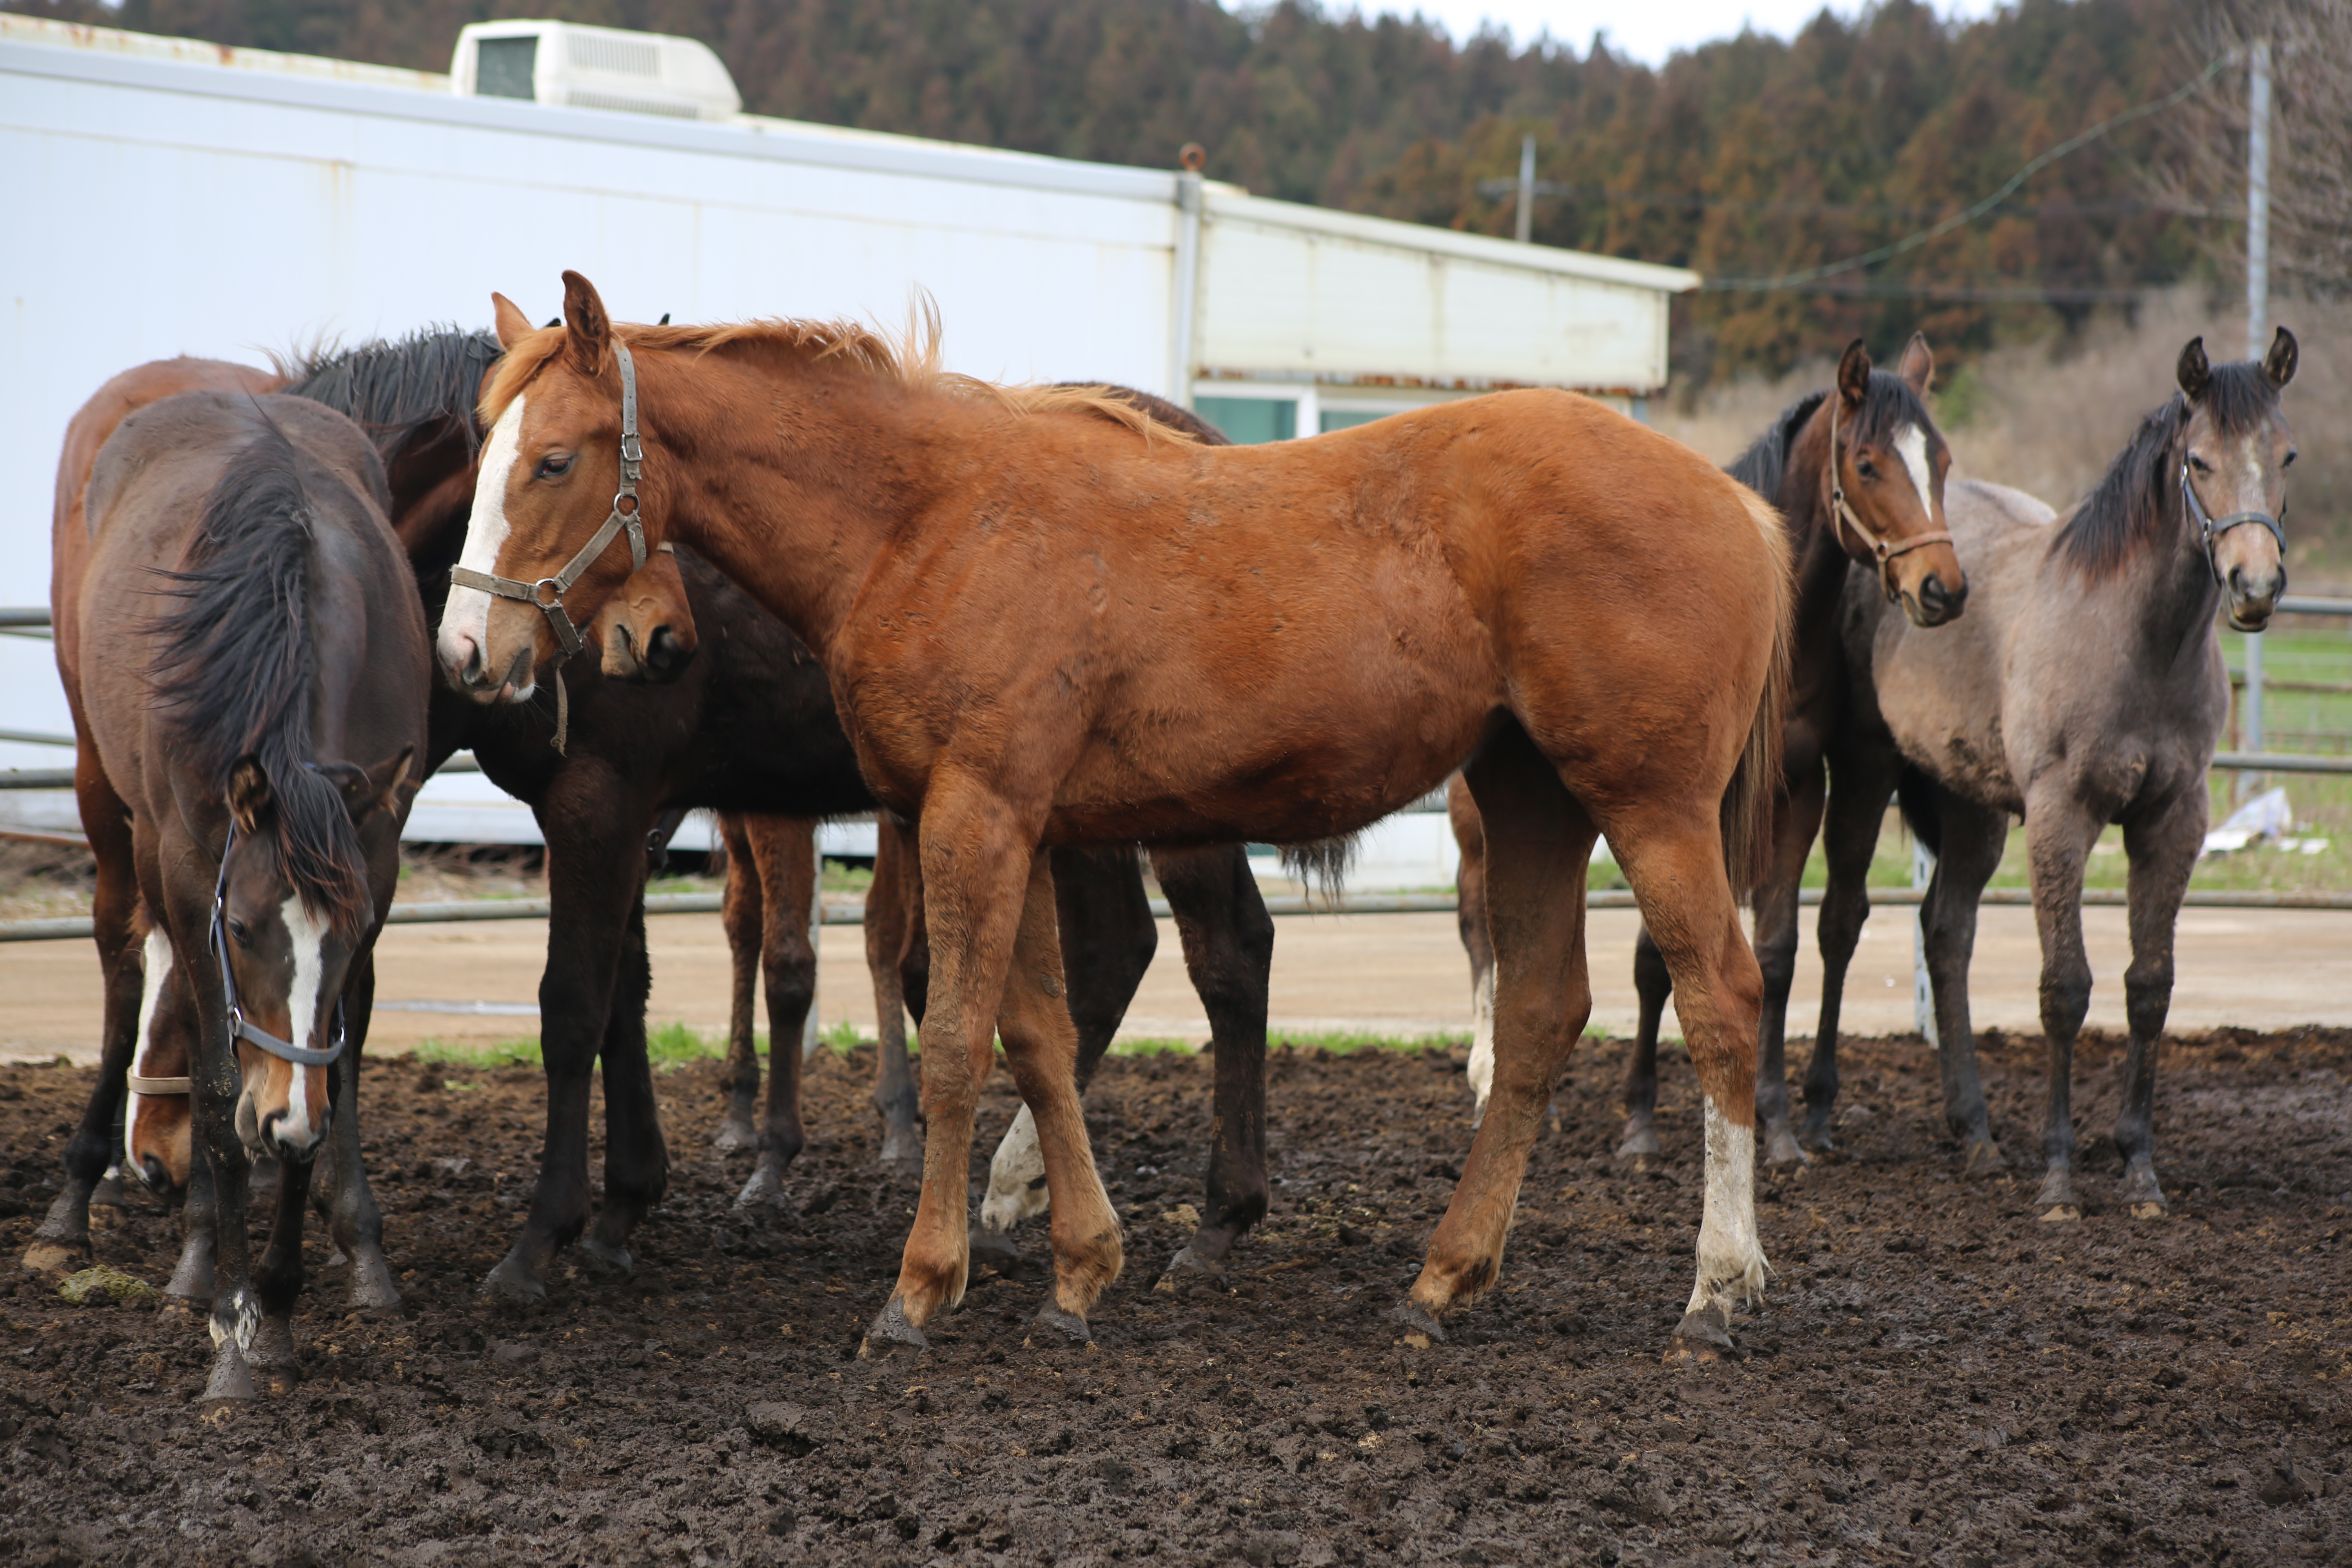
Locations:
(1049, 620)
(2086, 687)
(229, 726)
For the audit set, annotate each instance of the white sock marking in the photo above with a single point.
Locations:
(1016, 1177)
(1482, 1040)
(1731, 1267)
(142, 1064)
(467, 612)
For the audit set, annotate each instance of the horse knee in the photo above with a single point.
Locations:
(1777, 961)
(2148, 997)
(2066, 1000)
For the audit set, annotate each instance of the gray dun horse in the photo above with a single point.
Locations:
(2084, 687)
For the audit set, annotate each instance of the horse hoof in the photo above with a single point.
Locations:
(1701, 1337)
(993, 1249)
(372, 1286)
(890, 1330)
(108, 1194)
(2060, 1213)
(604, 1258)
(764, 1191)
(1422, 1329)
(1781, 1149)
(2151, 1211)
(1071, 1326)
(1983, 1159)
(1641, 1143)
(231, 1382)
(54, 1256)
(733, 1135)
(514, 1282)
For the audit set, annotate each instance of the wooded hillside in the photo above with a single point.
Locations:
(1749, 159)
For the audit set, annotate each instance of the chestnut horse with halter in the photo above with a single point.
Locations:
(1048, 619)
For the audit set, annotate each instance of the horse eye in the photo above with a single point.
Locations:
(550, 467)
(2287, 461)
(238, 934)
(1865, 468)
(2199, 464)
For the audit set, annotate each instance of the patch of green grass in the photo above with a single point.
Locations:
(841, 876)
(1341, 1042)
(515, 1053)
(1152, 1046)
(674, 1044)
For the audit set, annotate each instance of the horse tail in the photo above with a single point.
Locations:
(1915, 793)
(1756, 787)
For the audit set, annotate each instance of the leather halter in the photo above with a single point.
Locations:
(2211, 528)
(1843, 515)
(241, 1027)
(547, 593)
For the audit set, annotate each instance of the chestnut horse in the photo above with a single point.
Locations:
(226, 727)
(1050, 620)
(1878, 503)
(2086, 688)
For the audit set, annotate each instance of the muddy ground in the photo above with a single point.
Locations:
(1937, 1375)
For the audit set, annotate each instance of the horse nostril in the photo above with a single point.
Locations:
(661, 650)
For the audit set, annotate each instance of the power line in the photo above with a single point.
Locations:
(1914, 241)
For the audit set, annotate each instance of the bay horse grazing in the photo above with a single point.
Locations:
(1050, 620)
(2086, 687)
(260, 732)
(1857, 472)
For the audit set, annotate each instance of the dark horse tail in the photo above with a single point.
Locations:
(1915, 793)
(1754, 794)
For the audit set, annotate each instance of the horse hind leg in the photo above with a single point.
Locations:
(1862, 781)
(1972, 842)
(1470, 918)
(1652, 984)
(637, 1160)
(1539, 840)
(892, 905)
(1793, 826)
(2163, 849)
(788, 873)
(741, 915)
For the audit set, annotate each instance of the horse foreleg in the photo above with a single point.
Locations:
(278, 1282)
(891, 902)
(352, 1217)
(1041, 1046)
(1652, 985)
(1862, 780)
(786, 846)
(1229, 952)
(1972, 838)
(741, 912)
(1539, 840)
(2059, 833)
(636, 1162)
(976, 864)
(1793, 826)
(2163, 846)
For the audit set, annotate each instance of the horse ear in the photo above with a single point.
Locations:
(2279, 364)
(251, 806)
(370, 790)
(1919, 366)
(584, 317)
(513, 324)
(1854, 375)
(2193, 372)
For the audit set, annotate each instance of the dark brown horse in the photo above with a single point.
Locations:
(1047, 628)
(1877, 506)
(2086, 688)
(260, 731)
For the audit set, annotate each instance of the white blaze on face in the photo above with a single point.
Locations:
(467, 613)
(1731, 1267)
(1016, 1177)
(301, 1125)
(143, 1064)
(1911, 445)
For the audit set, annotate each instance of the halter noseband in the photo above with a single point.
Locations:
(1843, 515)
(547, 593)
(2211, 528)
(241, 1027)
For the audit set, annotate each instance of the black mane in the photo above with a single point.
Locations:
(2129, 506)
(233, 678)
(396, 390)
(1889, 403)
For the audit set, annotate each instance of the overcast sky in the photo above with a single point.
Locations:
(1648, 31)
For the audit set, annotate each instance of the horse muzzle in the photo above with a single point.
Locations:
(1934, 603)
(2253, 598)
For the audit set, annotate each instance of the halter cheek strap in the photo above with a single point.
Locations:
(1843, 515)
(2210, 530)
(241, 1027)
(547, 593)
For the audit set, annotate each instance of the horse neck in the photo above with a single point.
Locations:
(1820, 560)
(791, 476)
(2169, 583)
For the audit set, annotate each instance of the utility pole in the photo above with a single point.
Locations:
(1526, 213)
(2258, 310)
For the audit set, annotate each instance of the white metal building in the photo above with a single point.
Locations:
(171, 197)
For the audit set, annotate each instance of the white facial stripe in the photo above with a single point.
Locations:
(1911, 445)
(142, 1063)
(467, 613)
(308, 934)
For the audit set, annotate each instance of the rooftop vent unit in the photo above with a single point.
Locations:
(594, 67)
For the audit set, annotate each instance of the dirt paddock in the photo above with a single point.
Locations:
(1937, 1375)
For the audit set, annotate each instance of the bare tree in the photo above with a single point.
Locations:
(2310, 133)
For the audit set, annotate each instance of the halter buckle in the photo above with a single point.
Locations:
(548, 593)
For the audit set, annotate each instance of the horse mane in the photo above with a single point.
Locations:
(233, 677)
(1765, 464)
(911, 359)
(2126, 511)
(396, 389)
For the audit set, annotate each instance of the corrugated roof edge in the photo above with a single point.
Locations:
(1224, 202)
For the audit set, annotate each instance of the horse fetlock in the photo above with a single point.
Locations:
(235, 1317)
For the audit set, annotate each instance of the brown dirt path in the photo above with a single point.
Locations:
(1935, 1378)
